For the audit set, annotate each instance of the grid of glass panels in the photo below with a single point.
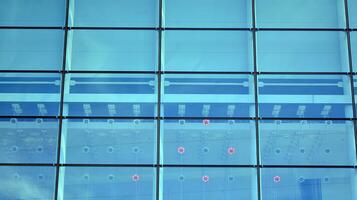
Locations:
(174, 100)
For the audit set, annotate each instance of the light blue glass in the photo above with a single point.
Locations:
(104, 183)
(311, 184)
(108, 141)
(209, 183)
(208, 13)
(207, 51)
(32, 13)
(29, 94)
(31, 49)
(213, 142)
(354, 50)
(18, 182)
(352, 12)
(110, 95)
(313, 142)
(28, 140)
(301, 96)
(302, 51)
(300, 14)
(203, 95)
(112, 50)
(114, 13)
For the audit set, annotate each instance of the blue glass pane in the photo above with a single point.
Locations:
(28, 140)
(317, 96)
(354, 50)
(317, 142)
(302, 51)
(27, 183)
(113, 50)
(108, 141)
(114, 13)
(220, 142)
(208, 13)
(110, 95)
(29, 94)
(32, 13)
(308, 184)
(209, 183)
(31, 49)
(300, 14)
(207, 51)
(208, 95)
(107, 183)
(352, 12)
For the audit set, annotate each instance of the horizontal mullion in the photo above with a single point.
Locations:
(179, 118)
(175, 165)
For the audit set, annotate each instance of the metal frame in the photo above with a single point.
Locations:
(160, 29)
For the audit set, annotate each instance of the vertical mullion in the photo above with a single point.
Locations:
(158, 123)
(256, 105)
(350, 63)
(63, 74)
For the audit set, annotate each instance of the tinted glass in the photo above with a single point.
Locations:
(107, 183)
(354, 50)
(31, 49)
(312, 183)
(321, 96)
(220, 142)
(352, 12)
(208, 95)
(114, 13)
(300, 14)
(110, 95)
(302, 51)
(318, 142)
(108, 141)
(209, 183)
(208, 13)
(32, 13)
(112, 50)
(207, 51)
(27, 182)
(29, 94)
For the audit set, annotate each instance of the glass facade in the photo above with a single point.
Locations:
(178, 99)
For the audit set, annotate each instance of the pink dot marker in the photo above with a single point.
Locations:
(277, 179)
(205, 122)
(181, 150)
(231, 150)
(135, 177)
(205, 178)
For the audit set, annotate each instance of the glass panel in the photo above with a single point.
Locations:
(32, 13)
(317, 142)
(110, 95)
(104, 183)
(29, 94)
(114, 13)
(100, 141)
(300, 14)
(27, 182)
(215, 142)
(208, 51)
(112, 50)
(312, 184)
(352, 12)
(209, 183)
(208, 13)
(208, 95)
(302, 51)
(31, 49)
(317, 96)
(28, 140)
(354, 50)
